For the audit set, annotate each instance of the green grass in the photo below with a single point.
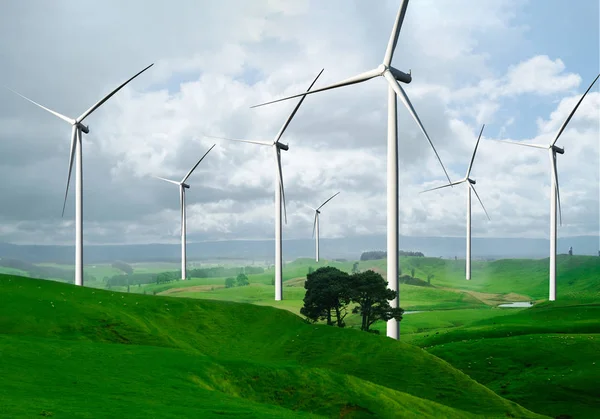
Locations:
(544, 358)
(77, 352)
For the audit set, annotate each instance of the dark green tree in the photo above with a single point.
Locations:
(355, 268)
(242, 280)
(412, 272)
(370, 292)
(229, 282)
(327, 296)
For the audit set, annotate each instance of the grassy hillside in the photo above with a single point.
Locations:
(75, 352)
(544, 358)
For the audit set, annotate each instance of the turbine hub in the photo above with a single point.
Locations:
(381, 68)
(471, 181)
(558, 149)
(283, 147)
(185, 185)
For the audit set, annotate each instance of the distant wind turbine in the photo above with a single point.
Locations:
(316, 224)
(470, 185)
(279, 191)
(392, 75)
(76, 137)
(182, 187)
(554, 192)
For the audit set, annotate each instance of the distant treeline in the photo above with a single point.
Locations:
(382, 254)
(43, 272)
(164, 277)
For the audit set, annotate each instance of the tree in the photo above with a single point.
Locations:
(242, 280)
(125, 267)
(229, 282)
(412, 272)
(369, 291)
(355, 268)
(327, 296)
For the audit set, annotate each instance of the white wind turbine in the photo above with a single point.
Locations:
(279, 191)
(469, 183)
(76, 138)
(392, 75)
(316, 225)
(554, 191)
(182, 187)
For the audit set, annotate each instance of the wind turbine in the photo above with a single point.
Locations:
(76, 137)
(469, 183)
(392, 75)
(316, 224)
(182, 187)
(554, 192)
(279, 191)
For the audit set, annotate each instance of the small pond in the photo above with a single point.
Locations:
(519, 304)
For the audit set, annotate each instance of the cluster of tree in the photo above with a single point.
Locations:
(125, 267)
(411, 280)
(240, 281)
(381, 254)
(330, 291)
(221, 271)
(135, 279)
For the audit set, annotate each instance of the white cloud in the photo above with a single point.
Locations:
(215, 60)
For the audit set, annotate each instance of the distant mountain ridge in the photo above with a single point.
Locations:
(348, 248)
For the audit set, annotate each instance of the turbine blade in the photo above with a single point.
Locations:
(278, 158)
(314, 224)
(402, 95)
(166, 180)
(287, 122)
(474, 151)
(477, 195)
(564, 125)
(389, 52)
(555, 174)
(73, 134)
(239, 141)
(190, 172)
(327, 201)
(352, 80)
(444, 186)
(521, 143)
(61, 116)
(98, 104)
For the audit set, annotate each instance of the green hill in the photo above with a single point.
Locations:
(68, 351)
(544, 358)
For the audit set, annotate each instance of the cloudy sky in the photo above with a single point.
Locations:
(518, 66)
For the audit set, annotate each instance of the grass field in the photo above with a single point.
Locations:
(68, 351)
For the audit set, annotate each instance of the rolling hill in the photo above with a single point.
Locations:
(67, 351)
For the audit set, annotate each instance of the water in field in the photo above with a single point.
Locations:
(519, 304)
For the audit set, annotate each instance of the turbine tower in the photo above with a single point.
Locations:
(554, 192)
(469, 182)
(182, 187)
(76, 137)
(392, 76)
(279, 191)
(316, 225)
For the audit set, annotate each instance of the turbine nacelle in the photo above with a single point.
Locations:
(398, 75)
(557, 149)
(185, 185)
(471, 181)
(281, 146)
(83, 128)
